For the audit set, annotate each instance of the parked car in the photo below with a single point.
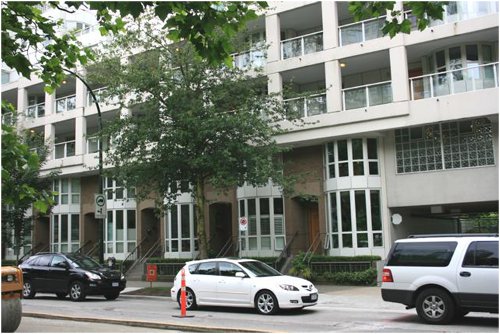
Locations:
(74, 274)
(242, 283)
(443, 277)
(12, 286)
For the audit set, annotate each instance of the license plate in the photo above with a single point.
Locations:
(314, 297)
(115, 284)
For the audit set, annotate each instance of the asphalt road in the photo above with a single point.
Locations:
(346, 310)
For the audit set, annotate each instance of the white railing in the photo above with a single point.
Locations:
(302, 45)
(305, 106)
(99, 94)
(86, 30)
(36, 110)
(360, 32)
(64, 149)
(65, 103)
(454, 81)
(252, 58)
(93, 144)
(367, 95)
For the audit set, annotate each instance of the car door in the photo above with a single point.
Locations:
(40, 272)
(478, 275)
(58, 275)
(203, 282)
(231, 289)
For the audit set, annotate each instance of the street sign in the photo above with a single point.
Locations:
(100, 206)
(243, 223)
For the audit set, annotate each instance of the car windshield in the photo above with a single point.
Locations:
(83, 262)
(260, 269)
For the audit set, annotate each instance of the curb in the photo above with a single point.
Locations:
(147, 324)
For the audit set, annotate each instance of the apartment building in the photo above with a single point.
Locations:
(401, 138)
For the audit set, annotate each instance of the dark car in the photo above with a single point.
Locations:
(74, 274)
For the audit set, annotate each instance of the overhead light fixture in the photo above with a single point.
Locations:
(343, 65)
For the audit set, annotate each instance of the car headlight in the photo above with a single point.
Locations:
(288, 287)
(92, 276)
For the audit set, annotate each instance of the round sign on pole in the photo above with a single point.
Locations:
(100, 206)
(243, 223)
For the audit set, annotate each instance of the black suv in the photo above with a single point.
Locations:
(76, 274)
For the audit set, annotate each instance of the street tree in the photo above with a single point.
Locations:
(423, 11)
(191, 121)
(23, 188)
(27, 30)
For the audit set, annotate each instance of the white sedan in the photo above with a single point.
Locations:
(242, 283)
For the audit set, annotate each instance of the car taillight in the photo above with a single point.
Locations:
(387, 276)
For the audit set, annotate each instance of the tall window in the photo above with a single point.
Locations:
(266, 225)
(120, 232)
(115, 190)
(355, 219)
(352, 157)
(445, 146)
(65, 231)
(68, 191)
(181, 229)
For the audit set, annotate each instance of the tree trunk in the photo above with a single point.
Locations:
(200, 216)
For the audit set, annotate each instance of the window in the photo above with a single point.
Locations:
(228, 269)
(445, 146)
(354, 157)
(181, 229)
(116, 190)
(65, 232)
(207, 268)
(56, 260)
(120, 231)
(68, 191)
(482, 254)
(418, 254)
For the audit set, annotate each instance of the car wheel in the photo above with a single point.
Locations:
(190, 299)
(76, 291)
(28, 291)
(61, 295)
(435, 306)
(266, 302)
(111, 295)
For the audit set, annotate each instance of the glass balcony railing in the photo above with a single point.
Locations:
(367, 95)
(36, 110)
(360, 32)
(299, 107)
(302, 45)
(93, 145)
(64, 149)
(100, 96)
(454, 81)
(252, 59)
(66, 103)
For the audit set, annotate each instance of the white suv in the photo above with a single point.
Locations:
(443, 276)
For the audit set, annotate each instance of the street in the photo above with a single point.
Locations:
(346, 310)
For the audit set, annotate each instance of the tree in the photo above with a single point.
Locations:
(25, 29)
(191, 121)
(22, 186)
(423, 11)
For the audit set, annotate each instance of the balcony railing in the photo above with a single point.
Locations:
(93, 145)
(454, 81)
(64, 149)
(252, 58)
(302, 45)
(367, 95)
(305, 106)
(99, 94)
(66, 103)
(360, 32)
(35, 111)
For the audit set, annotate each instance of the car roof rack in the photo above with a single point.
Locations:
(456, 235)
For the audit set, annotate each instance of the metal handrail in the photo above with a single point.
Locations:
(302, 36)
(94, 248)
(28, 253)
(80, 250)
(225, 248)
(132, 252)
(145, 256)
(312, 248)
(364, 21)
(286, 250)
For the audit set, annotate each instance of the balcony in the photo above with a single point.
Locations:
(65, 103)
(454, 81)
(100, 94)
(305, 106)
(93, 145)
(64, 149)
(367, 95)
(360, 32)
(36, 110)
(252, 59)
(302, 45)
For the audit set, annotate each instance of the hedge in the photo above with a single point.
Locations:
(367, 277)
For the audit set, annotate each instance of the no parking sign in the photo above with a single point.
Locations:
(243, 223)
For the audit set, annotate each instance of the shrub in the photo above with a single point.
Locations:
(367, 277)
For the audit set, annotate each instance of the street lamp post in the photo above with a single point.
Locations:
(99, 146)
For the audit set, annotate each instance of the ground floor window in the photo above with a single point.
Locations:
(266, 224)
(355, 219)
(65, 232)
(181, 229)
(120, 231)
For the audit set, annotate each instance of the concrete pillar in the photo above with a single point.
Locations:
(399, 74)
(50, 137)
(330, 19)
(274, 83)
(333, 82)
(273, 38)
(81, 93)
(22, 101)
(80, 135)
(50, 104)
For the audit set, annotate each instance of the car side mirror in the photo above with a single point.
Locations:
(62, 265)
(240, 274)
